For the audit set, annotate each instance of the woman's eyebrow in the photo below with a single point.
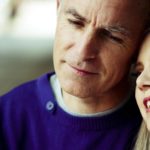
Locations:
(138, 65)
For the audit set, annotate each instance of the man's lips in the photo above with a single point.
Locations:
(147, 103)
(83, 71)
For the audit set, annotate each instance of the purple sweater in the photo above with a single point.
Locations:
(30, 119)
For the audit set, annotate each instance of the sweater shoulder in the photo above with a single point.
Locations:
(18, 102)
(21, 92)
(28, 94)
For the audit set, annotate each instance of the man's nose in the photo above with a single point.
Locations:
(143, 81)
(87, 46)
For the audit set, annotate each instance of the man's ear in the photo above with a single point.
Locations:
(58, 4)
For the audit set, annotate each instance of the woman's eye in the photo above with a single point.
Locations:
(136, 73)
(76, 23)
(137, 69)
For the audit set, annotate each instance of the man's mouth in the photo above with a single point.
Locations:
(83, 71)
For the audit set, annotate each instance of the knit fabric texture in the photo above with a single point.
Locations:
(30, 119)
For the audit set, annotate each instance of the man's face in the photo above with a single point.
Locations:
(95, 41)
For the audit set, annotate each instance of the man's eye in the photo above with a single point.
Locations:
(77, 23)
(107, 34)
(116, 39)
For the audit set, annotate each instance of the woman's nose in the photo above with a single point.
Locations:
(143, 81)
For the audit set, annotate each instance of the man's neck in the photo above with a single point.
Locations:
(101, 103)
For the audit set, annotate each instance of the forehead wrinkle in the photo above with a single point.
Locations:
(110, 22)
(95, 17)
(115, 28)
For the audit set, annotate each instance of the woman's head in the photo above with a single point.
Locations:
(143, 80)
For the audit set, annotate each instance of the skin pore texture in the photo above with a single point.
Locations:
(143, 80)
(94, 45)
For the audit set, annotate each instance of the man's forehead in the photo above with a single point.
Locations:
(86, 6)
(100, 2)
(116, 14)
(103, 8)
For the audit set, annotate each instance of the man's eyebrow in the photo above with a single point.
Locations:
(118, 29)
(74, 13)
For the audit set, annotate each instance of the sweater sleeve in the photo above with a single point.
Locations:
(11, 123)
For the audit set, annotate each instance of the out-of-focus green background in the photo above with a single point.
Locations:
(27, 30)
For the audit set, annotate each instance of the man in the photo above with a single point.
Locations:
(94, 109)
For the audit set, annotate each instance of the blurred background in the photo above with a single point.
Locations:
(27, 30)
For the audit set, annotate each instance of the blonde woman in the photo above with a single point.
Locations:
(143, 93)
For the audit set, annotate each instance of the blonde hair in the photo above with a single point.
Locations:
(143, 138)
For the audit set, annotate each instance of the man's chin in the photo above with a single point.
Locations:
(79, 91)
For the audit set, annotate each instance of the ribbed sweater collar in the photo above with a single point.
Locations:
(118, 118)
